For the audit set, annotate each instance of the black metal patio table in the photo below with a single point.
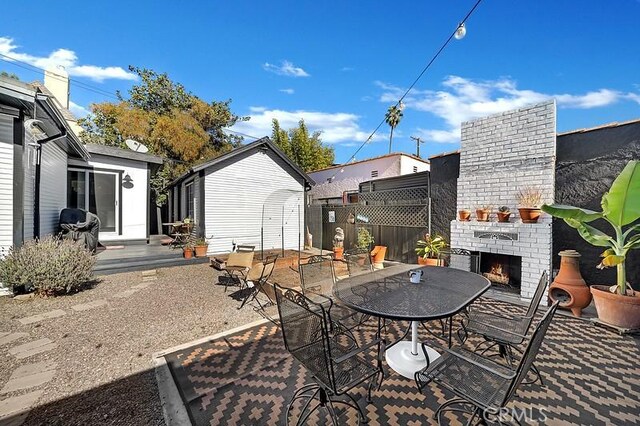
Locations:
(388, 293)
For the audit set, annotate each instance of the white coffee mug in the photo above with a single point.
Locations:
(415, 275)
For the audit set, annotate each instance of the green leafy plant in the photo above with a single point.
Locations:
(201, 242)
(504, 209)
(431, 246)
(365, 239)
(621, 210)
(49, 266)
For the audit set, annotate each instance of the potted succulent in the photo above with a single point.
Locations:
(338, 244)
(201, 247)
(503, 214)
(464, 215)
(483, 213)
(187, 252)
(428, 250)
(618, 305)
(529, 202)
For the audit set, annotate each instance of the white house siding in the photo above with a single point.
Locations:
(6, 182)
(53, 187)
(134, 200)
(234, 200)
(410, 165)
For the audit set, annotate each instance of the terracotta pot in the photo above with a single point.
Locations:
(615, 309)
(503, 217)
(337, 253)
(187, 252)
(429, 261)
(378, 253)
(482, 215)
(569, 287)
(529, 215)
(464, 215)
(201, 251)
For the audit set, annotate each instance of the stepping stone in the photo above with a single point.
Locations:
(41, 317)
(150, 273)
(89, 305)
(140, 286)
(125, 294)
(8, 338)
(152, 278)
(29, 376)
(32, 348)
(15, 408)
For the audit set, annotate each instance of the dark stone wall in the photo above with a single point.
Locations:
(586, 165)
(445, 170)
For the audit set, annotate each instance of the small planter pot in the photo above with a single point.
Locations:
(187, 252)
(464, 215)
(338, 252)
(429, 261)
(529, 215)
(503, 217)
(615, 309)
(482, 215)
(201, 251)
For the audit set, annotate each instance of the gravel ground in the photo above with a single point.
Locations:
(104, 369)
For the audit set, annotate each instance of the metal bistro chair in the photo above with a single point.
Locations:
(505, 331)
(480, 382)
(257, 280)
(336, 363)
(358, 261)
(317, 277)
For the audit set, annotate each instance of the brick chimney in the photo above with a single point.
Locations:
(56, 79)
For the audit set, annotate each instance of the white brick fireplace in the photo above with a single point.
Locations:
(500, 155)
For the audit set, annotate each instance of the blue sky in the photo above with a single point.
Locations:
(341, 64)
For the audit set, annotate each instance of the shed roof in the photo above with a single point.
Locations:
(265, 141)
(112, 151)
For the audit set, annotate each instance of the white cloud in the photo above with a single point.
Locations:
(336, 127)
(463, 99)
(66, 58)
(285, 68)
(287, 91)
(78, 110)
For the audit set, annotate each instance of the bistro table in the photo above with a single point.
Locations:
(388, 293)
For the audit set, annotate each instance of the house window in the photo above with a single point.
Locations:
(190, 200)
(415, 169)
(374, 173)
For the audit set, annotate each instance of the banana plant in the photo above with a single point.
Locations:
(621, 209)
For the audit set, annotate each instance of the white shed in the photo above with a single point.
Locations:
(252, 195)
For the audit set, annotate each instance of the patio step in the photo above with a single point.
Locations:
(116, 266)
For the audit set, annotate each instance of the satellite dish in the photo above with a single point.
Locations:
(136, 146)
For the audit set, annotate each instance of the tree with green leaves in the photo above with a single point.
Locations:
(172, 122)
(9, 75)
(304, 149)
(392, 117)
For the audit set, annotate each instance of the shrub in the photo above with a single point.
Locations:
(47, 266)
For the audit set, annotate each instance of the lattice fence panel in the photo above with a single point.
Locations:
(342, 213)
(416, 195)
(414, 216)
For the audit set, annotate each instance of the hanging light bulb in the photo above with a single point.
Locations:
(401, 106)
(461, 31)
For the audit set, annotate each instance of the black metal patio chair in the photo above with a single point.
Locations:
(479, 382)
(317, 277)
(257, 281)
(505, 331)
(335, 362)
(358, 261)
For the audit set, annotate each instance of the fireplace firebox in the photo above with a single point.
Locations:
(504, 271)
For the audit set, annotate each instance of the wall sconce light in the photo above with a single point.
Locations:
(127, 182)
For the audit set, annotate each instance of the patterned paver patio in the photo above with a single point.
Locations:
(590, 373)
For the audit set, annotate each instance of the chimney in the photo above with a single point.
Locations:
(56, 79)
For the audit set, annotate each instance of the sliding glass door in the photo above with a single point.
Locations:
(98, 192)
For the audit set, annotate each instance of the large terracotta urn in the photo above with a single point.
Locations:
(569, 287)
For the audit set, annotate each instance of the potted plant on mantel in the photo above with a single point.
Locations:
(529, 202)
(464, 215)
(483, 213)
(503, 214)
(428, 250)
(618, 305)
(201, 247)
